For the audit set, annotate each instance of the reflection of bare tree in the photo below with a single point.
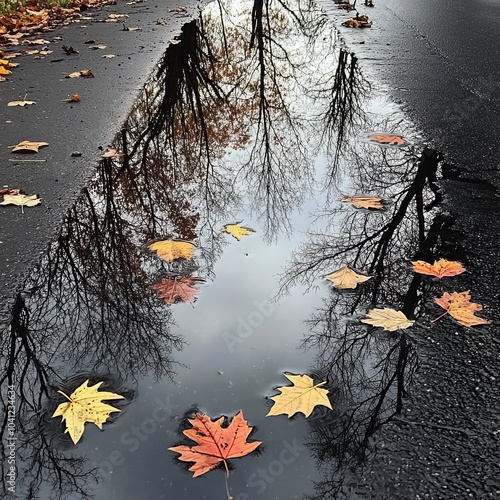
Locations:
(371, 372)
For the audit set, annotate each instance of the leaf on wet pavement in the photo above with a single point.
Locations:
(69, 50)
(28, 147)
(439, 269)
(73, 98)
(346, 278)
(215, 444)
(369, 202)
(21, 200)
(20, 103)
(5, 190)
(178, 289)
(358, 21)
(388, 319)
(171, 250)
(237, 230)
(84, 73)
(459, 306)
(387, 139)
(85, 405)
(111, 153)
(303, 396)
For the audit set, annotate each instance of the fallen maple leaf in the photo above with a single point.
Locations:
(371, 202)
(302, 397)
(4, 70)
(28, 147)
(236, 230)
(387, 139)
(216, 444)
(346, 278)
(21, 200)
(179, 289)
(85, 405)
(439, 269)
(388, 319)
(459, 306)
(170, 250)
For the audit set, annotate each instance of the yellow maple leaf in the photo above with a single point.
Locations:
(236, 230)
(85, 405)
(170, 250)
(302, 397)
(28, 147)
(346, 278)
(388, 319)
(21, 200)
(373, 202)
(439, 269)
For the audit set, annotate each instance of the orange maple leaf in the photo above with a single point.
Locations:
(439, 269)
(178, 289)
(216, 444)
(459, 306)
(387, 139)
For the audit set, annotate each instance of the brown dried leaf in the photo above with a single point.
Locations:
(459, 306)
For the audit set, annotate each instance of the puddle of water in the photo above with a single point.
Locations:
(238, 123)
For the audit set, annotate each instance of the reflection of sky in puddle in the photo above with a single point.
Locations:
(239, 340)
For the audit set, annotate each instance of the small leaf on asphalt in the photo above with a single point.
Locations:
(439, 269)
(111, 153)
(346, 278)
(28, 147)
(370, 202)
(85, 73)
(302, 397)
(21, 200)
(237, 231)
(388, 319)
(20, 103)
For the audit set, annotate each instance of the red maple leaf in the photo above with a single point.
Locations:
(216, 444)
(178, 289)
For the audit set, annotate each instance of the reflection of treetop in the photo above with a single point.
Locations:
(235, 113)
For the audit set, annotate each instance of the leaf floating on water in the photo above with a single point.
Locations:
(388, 319)
(346, 278)
(171, 250)
(370, 202)
(215, 444)
(303, 396)
(28, 147)
(21, 200)
(237, 231)
(178, 290)
(459, 306)
(85, 405)
(439, 269)
(387, 139)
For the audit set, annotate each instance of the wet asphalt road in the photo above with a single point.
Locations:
(86, 127)
(441, 61)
